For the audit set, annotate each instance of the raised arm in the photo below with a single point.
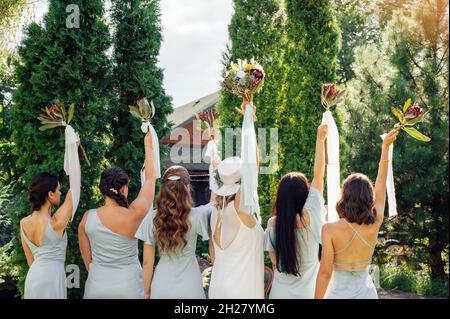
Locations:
(63, 214)
(147, 268)
(380, 183)
(83, 241)
(141, 205)
(326, 263)
(319, 161)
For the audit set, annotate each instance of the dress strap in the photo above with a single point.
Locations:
(359, 235)
(351, 240)
(25, 237)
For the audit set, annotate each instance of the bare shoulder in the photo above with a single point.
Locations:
(330, 228)
(271, 221)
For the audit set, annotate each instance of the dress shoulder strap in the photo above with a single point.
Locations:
(355, 233)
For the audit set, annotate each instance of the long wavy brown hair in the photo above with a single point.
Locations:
(357, 200)
(173, 205)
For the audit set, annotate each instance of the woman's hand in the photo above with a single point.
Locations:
(390, 138)
(147, 295)
(241, 109)
(322, 132)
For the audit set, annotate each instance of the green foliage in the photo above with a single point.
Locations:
(69, 64)
(410, 61)
(311, 59)
(405, 278)
(10, 13)
(256, 31)
(359, 25)
(137, 41)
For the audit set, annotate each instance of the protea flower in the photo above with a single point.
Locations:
(409, 116)
(330, 96)
(144, 110)
(413, 112)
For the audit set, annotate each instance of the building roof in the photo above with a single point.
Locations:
(185, 113)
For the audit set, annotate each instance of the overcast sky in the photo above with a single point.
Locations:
(195, 33)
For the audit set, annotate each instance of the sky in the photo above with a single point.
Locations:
(195, 34)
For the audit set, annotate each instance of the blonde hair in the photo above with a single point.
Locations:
(173, 205)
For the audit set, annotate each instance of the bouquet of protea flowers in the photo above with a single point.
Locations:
(330, 95)
(56, 115)
(144, 112)
(206, 122)
(244, 78)
(408, 117)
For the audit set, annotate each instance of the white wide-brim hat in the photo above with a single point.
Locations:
(229, 171)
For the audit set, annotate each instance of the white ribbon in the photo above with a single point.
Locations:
(72, 165)
(333, 168)
(213, 154)
(249, 202)
(145, 127)
(390, 188)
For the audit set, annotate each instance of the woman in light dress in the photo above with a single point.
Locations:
(106, 235)
(349, 243)
(44, 239)
(237, 250)
(174, 227)
(293, 234)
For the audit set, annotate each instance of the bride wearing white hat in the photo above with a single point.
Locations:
(238, 269)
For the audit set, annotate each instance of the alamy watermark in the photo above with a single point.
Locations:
(73, 19)
(185, 152)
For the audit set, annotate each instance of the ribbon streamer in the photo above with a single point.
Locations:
(390, 188)
(213, 154)
(72, 165)
(333, 167)
(145, 127)
(249, 202)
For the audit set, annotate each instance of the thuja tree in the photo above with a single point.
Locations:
(311, 59)
(256, 31)
(410, 62)
(64, 58)
(137, 40)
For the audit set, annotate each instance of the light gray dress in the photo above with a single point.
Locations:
(287, 286)
(115, 271)
(352, 282)
(46, 278)
(177, 276)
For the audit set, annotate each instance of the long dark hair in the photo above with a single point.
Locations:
(39, 187)
(357, 200)
(292, 192)
(111, 181)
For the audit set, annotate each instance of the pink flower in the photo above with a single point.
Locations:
(53, 108)
(328, 90)
(413, 112)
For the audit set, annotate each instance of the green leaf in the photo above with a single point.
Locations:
(63, 112)
(141, 110)
(50, 122)
(416, 134)
(407, 105)
(71, 111)
(398, 114)
(48, 126)
(136, 114)
(416, 120)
